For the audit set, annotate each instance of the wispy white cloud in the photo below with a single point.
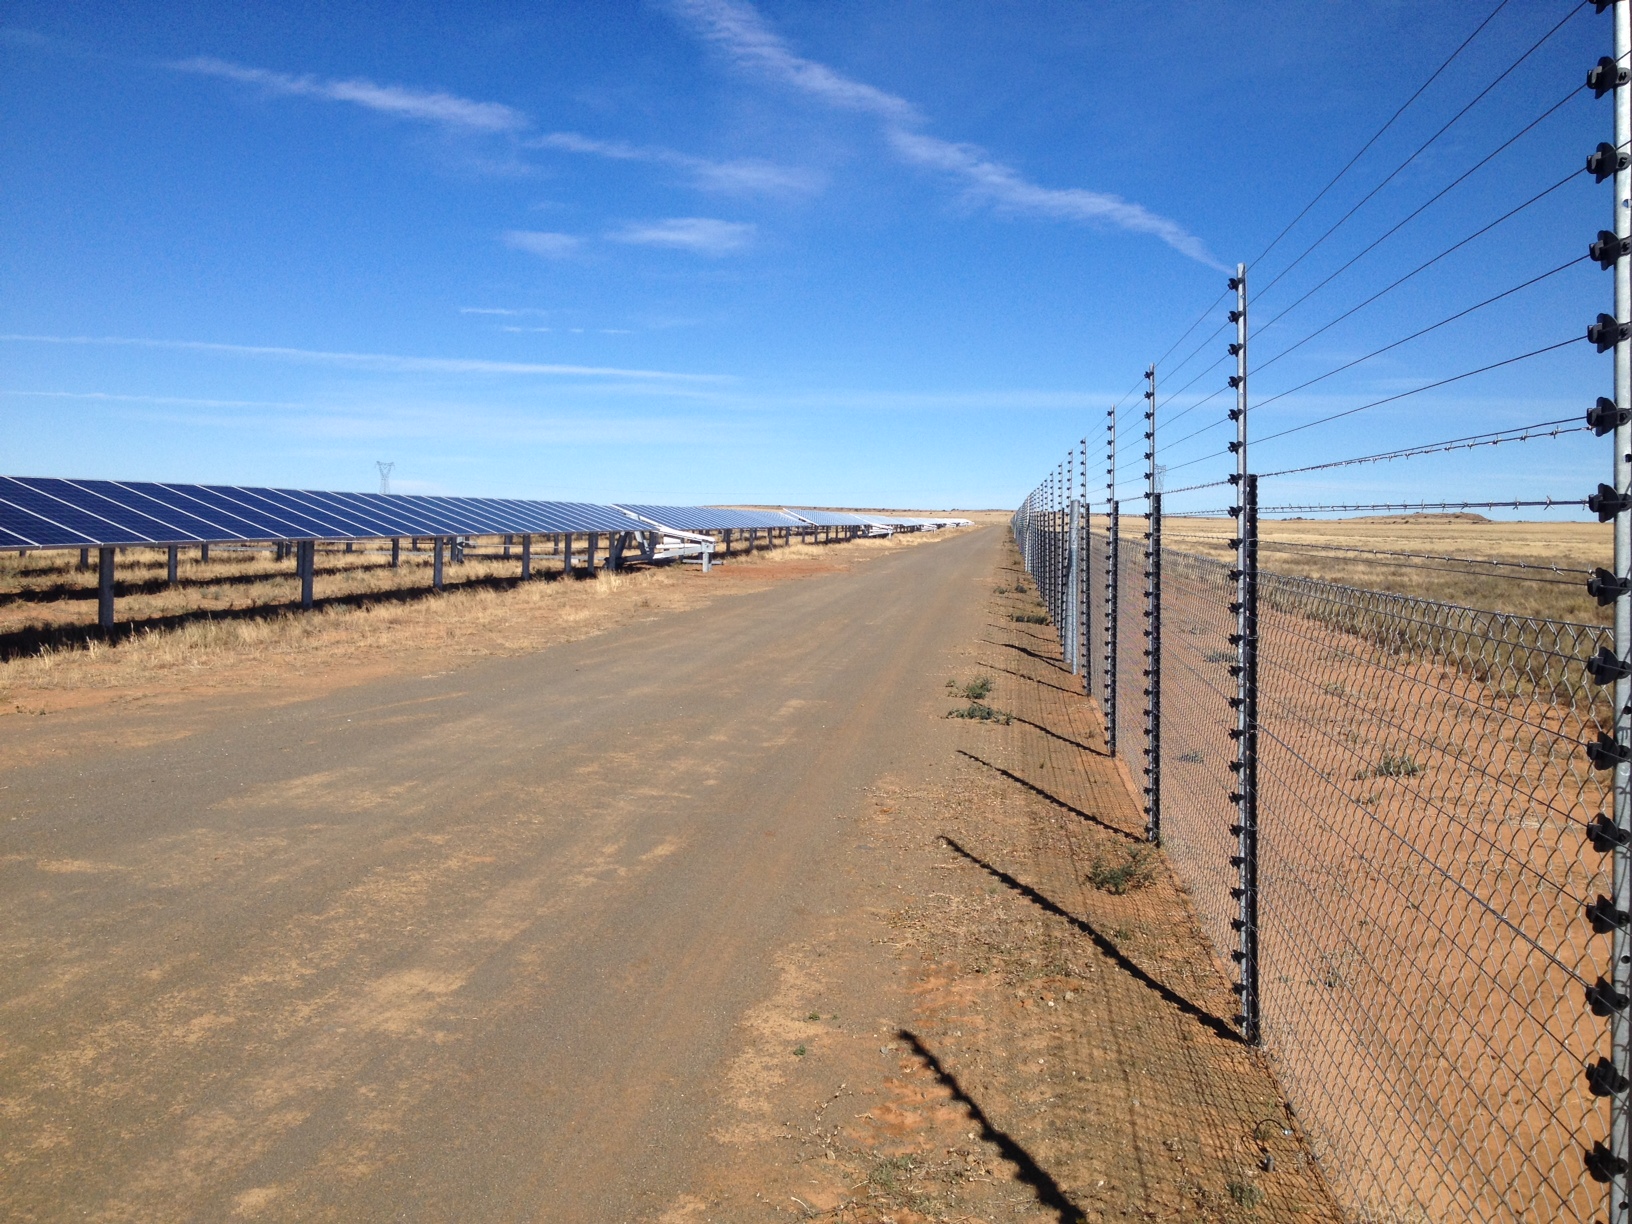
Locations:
(742, 176)
(541, 242)
(704, 235)
(503, 310)
(427, 106)
(736, 28)
(186, 401)
(386, 362)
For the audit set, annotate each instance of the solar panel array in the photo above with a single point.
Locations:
(712, 518)
(53, 513)
(48, 513)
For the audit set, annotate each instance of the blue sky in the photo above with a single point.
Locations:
(825, 253)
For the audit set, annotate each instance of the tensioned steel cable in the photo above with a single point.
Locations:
(1349, 365)
(1321, 194)
(1495, 365)
(1518, 433)
(1550, 503)
(1423, 267)
(1420, 209)
(1422, 148)
(1378, 134)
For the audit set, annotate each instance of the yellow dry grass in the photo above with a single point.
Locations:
(235, 622)
(1541, 591)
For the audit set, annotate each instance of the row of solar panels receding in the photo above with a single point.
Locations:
(48, 513)
(710, 518)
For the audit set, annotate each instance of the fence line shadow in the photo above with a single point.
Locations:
(1064, 739)
(1022, 675)
(1049, 1192)
(1054, 799)
(1105, 946)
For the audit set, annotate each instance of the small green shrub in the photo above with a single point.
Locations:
(1030, 618)
(978, 688)
(1192, 757)
(1134, 869)
(1244, 1193)
(981, 712)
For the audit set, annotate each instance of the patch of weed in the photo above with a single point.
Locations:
(1134, 869)
(1030, 618)
(1391, 766)
(1193, 757)
(978, 688)
(1244, 1193)
(982, 713)
(799, 1051)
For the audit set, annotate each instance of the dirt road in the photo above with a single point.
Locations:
(471, 945)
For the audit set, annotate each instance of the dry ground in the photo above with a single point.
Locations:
(234, 621)
(711, 916)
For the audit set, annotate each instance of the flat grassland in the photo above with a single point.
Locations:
(1443, 561)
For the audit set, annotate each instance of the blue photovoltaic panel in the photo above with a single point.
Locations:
(51, 513)
(829, 518)
(712, 518)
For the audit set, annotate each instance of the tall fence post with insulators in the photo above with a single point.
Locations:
(1084, 592)
(1112, 556)
(1612, 1077)
(1153, 625)
(1245, 701)
(1073, 575)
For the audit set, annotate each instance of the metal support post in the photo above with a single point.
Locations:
(203, 552)
(306, 552)
(594, 539)
(1084, 594)
(1245, 767)
(396, 553)
(1611, 1077)
(1113, 565)
(566, 554)
(172, 563)
(437, 546)
(84, 559)
(1069, 628)
(526, 557)
(104, 589)
(1112, 525)
(507, 542)
(1153, 623)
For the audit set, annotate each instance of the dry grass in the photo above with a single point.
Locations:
(235, 621)
(1570, 546)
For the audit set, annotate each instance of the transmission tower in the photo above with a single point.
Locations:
(385, 474)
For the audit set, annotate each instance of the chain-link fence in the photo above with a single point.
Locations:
(1429, 843)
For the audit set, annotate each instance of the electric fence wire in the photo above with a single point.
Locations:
(1549, 503)
(1347, 412)
(1518, 433)
(1422, 267)
(1424, 146)
(1418, 211)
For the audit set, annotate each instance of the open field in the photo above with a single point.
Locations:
(700, 918)
(1294, 546)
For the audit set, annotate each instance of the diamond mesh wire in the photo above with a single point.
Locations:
(1424, 868)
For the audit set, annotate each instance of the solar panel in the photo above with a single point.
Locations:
(829, 518)
(54, 513)
(712, 518)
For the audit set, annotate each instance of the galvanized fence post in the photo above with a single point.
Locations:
(1245, 766)
(1153, 672)
(1113, 554)
(1612, 1077)
(1084, 592)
